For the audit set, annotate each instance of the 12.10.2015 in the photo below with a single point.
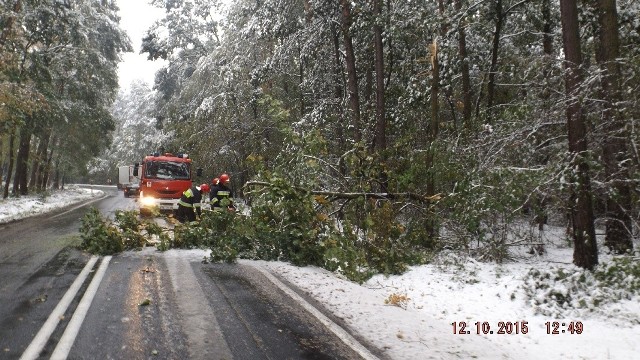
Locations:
(486, 328)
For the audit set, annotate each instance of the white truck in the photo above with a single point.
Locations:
(127, 182)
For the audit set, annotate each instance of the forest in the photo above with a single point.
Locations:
(359, 132)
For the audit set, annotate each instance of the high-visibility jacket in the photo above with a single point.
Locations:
(191, 198)
(219, 193)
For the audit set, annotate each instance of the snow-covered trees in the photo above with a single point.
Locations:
(353, 88)
(59, 77)
(462, 98)
(137, 133)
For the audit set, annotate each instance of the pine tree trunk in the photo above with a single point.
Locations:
(618, 224)
(42, 160)
(435, 114)
(547, 36)
(464, 69)
(585, 252)
(22, 161)
(491, 84)
(435, 92)
(338, 90)
(56, 177)
(381, 121)
(1, 158)
(47, 169)
(12, 140)
(35, 163)
(352, 77)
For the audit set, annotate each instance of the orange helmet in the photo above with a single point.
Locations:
(215, 181)
(204, 188)
(224, 178)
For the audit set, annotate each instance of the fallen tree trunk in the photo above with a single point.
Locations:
(355, 195)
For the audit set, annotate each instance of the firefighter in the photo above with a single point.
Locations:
(189, 206)
(214, 189)
(221, 195)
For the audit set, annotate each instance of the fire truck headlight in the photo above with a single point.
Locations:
(147, 201)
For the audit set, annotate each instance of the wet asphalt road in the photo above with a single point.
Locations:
(148, 304)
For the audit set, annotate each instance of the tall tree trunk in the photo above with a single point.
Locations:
(547, 46)
(42, 160)
(56, 178)
(369, 102)
(369, 99)
(618, 224)
(381, 125)
(585, 251)
(547, 36)
(435, 91)
(12, 140)
(47, 169)
(500, 18)
(466, 78)
(352, 77)
(22, 160)
(495, 48)
(301, 67)
(448, 91)
(35, 163)
(381, 119)
(434, 126)
(338, 90)
(1, 158)
(308, 17)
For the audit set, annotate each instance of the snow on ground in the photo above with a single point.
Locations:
(422, 327)
(14, 208)
(413, 316)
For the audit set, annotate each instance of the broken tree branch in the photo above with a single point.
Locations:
(355, 195)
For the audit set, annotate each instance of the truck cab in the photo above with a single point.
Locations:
(163, 179)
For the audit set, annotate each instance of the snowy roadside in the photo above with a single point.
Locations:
(14, 208)
(436, 296)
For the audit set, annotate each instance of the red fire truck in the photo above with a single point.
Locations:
(163, 179)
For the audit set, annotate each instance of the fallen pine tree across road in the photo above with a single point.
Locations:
(355, 195)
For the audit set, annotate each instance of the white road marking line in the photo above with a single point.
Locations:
(69, 336)
(41, 338)
(335, 328)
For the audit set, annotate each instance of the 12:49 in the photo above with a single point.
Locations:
(556, 327)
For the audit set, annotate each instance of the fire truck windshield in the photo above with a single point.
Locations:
(167, 170)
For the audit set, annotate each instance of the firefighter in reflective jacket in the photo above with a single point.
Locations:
(190, 203)
(221, 195)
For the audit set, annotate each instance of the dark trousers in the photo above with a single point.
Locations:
(185, 214)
